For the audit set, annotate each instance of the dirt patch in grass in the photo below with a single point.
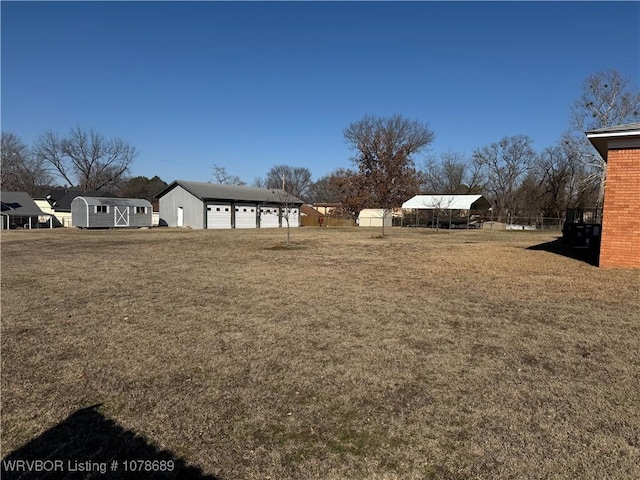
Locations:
(421, 355)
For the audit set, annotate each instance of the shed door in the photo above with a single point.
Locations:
(218, 216)
(121, 216)
(246, 215)
(269, 217)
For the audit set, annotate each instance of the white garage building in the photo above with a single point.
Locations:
(209, 205)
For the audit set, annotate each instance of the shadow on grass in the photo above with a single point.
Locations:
(86, 445)
(587, 255)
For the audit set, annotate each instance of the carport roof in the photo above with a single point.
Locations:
(212, 191)
(448, 202)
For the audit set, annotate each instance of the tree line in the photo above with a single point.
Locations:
(386, 171)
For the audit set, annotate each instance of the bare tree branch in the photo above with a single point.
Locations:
(384, 148)
(86, 159)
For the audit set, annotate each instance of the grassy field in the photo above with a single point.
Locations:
(450, 355)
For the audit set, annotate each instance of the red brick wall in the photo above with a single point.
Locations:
(620, 246)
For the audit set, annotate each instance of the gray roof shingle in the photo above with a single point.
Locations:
(617, 128)
(19, 204)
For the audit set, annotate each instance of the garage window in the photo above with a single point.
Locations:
(101, 209)
(141, 209)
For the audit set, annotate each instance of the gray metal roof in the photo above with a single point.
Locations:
(117, 202)
(19, 204)
(212, 191)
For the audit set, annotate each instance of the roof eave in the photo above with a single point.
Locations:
(600, 138)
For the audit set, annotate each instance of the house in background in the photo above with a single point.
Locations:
(327, 208)
(208, 205)
(619, 146)
(109, 212)
(18, 210)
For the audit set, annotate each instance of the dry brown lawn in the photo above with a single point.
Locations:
(450, 355)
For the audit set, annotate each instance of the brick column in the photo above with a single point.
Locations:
(620, 242)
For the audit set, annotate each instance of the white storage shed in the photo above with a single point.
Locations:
(373, 217)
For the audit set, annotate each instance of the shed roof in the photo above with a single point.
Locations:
(374, 213)
(212, 191)
(19, 204)
(117, 202)
(600, 137)
(448, 202)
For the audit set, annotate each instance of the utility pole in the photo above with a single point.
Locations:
(283, 175)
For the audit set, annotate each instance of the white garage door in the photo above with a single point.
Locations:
(218, 216)
(294, 218)
(269, 217)
(246, 216)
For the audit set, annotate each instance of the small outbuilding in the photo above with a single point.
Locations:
(107, 212)
(373, 217)
(210, 205)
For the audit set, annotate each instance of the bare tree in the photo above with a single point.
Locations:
(439, 205)
(86, 159)
(287, 203)
(221, 176)
(606, 100)
(450, 173)
(505, 164)
(21, 171)
(385, 147)
(327, 188)
(563, 179)
(259, 182)
(295, 180)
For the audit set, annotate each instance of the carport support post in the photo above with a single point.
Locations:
(449, 219)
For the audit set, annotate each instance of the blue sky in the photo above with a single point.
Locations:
(248, 85)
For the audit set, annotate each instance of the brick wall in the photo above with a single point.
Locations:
(620, 245)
